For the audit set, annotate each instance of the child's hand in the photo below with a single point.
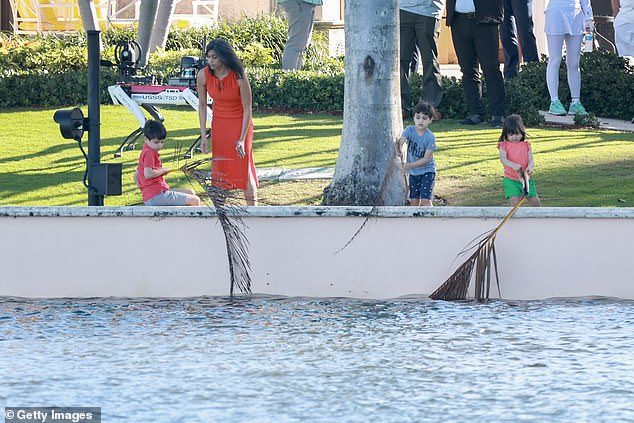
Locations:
(166, 170)
(520, 172)
(405, 168)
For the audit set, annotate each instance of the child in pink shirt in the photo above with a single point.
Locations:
(517, 157)
(149, 174)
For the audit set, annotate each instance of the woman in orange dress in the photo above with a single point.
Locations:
(225, 81)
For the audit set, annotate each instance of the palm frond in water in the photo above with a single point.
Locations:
(483, 260)
(232, 225)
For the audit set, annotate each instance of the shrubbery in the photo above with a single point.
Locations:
(51, 71)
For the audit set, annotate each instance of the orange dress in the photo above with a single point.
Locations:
(228, 169)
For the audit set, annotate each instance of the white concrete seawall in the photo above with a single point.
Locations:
(295, 251)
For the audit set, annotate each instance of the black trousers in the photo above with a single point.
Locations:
(518, 23)
(422, 32)
(476, 46)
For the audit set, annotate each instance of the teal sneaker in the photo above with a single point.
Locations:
(577, 109)
(556, 108)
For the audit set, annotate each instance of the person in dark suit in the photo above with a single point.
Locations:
(518, 23)
(475, 29)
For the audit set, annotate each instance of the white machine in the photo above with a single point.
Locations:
(137, 97)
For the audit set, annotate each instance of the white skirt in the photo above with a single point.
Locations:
(561, 21)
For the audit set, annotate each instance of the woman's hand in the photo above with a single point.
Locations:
(204, 145)
(240, 148)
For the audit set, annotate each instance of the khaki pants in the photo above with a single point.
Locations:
(301, 18)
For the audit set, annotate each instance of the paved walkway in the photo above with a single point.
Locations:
(281, 174)
(605, 123)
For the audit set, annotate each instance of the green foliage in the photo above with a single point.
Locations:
(256, 54)
(527, 94)
(47, 70)
(590, 120)
(164, 64)
(296, 90)
(41, 54)
(453, 105)
(607, 85)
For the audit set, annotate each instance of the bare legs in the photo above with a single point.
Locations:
(420, 202)
(533, 201)
(251, 193)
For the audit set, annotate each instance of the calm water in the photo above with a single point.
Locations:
(268, 359)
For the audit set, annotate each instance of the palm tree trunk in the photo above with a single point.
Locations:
(367, 170)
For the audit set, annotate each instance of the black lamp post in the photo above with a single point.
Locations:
(100, 179)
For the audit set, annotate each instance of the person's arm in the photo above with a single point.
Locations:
(136, 178)
(531, 162)
(616, 6)
(150, 173)
(245, 95)
(201, 88)
(586, 7)
(427, 157)
(506, 162)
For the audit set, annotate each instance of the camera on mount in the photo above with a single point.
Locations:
(127, 55)
(189, 67)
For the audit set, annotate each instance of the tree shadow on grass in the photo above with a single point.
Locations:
(599, 185)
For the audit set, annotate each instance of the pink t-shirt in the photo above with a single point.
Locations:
(150, 188)
(517, 152)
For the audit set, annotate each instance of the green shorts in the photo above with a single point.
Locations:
(513, 188)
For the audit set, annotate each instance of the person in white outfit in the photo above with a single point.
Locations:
(623, 10)
(566, 21)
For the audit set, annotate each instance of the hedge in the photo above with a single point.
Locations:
(51, 71)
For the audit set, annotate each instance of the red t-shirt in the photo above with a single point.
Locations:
(517, 152)
(154, 186)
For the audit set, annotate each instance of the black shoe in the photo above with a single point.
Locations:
(471, 120)
(497, 121)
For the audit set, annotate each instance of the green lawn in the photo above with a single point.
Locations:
(573, 167)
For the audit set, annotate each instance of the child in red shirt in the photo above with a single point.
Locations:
(149, 174)
(517, 157)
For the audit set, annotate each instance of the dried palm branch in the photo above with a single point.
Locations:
(232, 225)
(455, 288)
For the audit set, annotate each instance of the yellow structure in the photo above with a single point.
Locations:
(36, 16)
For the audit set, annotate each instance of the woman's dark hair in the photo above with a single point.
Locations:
(154, 129)
(513, 124)
(225, 53)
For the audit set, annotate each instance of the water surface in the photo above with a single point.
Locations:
(269, 359)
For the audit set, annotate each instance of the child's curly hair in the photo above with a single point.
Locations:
(424, 108)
